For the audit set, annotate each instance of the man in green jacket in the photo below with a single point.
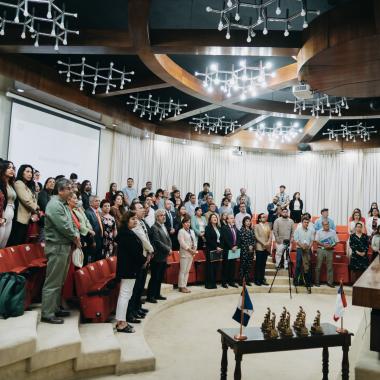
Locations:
(60, 236)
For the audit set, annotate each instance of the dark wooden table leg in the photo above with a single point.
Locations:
(325, 363)
(238, 358)
(224, 363)
(345, 363)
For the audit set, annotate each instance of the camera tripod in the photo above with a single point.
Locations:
(285, 255)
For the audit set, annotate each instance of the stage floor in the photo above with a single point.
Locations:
(187, 346)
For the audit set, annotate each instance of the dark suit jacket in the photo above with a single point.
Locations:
(175, 221)
(130, 257)
(94, 221)
(211, 239)
(86, 200)
(161, 242)
(237, 210)
(226, 237)
(291, 205)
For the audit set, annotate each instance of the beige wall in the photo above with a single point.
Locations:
(105, 158)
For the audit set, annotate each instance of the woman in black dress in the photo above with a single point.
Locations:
(130, 260)
(359, 257)
(212, 236)
(247, 245)
(296, 206)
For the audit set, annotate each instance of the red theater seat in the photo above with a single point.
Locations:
(171, 273)
(200, 266)
(340, 229)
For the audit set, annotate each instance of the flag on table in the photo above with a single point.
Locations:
(248, 308)
(341, 303)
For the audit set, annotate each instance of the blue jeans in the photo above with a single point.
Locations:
(303, 266)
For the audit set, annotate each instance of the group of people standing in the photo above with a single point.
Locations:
(142, 230)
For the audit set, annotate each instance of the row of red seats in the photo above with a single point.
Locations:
(97, 290)
(29, 261)
(197, 274)
(340, 267)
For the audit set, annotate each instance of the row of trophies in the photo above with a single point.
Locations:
(269, 330)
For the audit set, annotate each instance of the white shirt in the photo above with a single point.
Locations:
(297, 205)
(150, 218)
(239, 219)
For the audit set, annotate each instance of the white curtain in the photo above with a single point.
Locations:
(338, 181)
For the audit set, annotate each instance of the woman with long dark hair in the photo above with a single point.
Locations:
(111, 193)
(296, 206)
(43, 199)
(213, 247)
(359, 258)
(7, 200)
(130, 260)
(85, 192)
(27, 208)
(247, 246)
(373, 205)
(118, 209)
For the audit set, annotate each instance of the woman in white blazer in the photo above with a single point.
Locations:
(373, 222)
(187, 249)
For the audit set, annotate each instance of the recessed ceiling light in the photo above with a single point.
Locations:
(20, 90)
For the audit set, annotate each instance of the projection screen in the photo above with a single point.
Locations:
(53, 143)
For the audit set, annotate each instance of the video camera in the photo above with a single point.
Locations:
(286, 242)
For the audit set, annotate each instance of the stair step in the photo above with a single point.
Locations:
(56, 343)
(18, 338)
(99, 348)
(136, 355)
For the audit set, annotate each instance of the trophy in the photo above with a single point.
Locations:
(299, 324)
(316, 328)
(287, 332)
(266, 325)
(282, 321)
(273, 334)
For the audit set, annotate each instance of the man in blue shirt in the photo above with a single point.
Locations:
(129, 192)
(324, 218)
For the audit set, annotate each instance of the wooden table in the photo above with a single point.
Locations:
(366, 292)
(256, 343)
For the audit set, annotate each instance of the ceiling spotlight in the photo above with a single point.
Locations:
(40, 18)
(241, 78)
(230, 16)
(211, 124)
(151, 107)
(350, 132)
(95, 76)
(21, 90)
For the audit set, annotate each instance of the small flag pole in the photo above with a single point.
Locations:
(240, 336)
(341, 329)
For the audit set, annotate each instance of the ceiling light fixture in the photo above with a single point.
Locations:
(95, 76)
(34, 23)
(277, 131)
(214, 124)
(350, 132)
(243, 79)
(231, 16)
(320, 104)
(151, 107)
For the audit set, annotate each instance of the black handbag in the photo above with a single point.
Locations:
(215, 255)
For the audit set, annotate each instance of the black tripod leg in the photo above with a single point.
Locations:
(271, 285)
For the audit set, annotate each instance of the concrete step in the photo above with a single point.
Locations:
(100, 347)
(18, 338)
(136, 355)
(56, 343)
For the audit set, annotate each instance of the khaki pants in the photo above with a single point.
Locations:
(328, 254)
(59, 257)
(184, 269)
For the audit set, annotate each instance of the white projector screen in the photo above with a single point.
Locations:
(53, 144)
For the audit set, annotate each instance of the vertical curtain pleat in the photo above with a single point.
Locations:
(338, 181)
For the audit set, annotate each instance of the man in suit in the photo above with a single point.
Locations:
(237, 207)
(162, 247)
(135, 310)
(93, 215)
(229, 239)
(171, 224)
